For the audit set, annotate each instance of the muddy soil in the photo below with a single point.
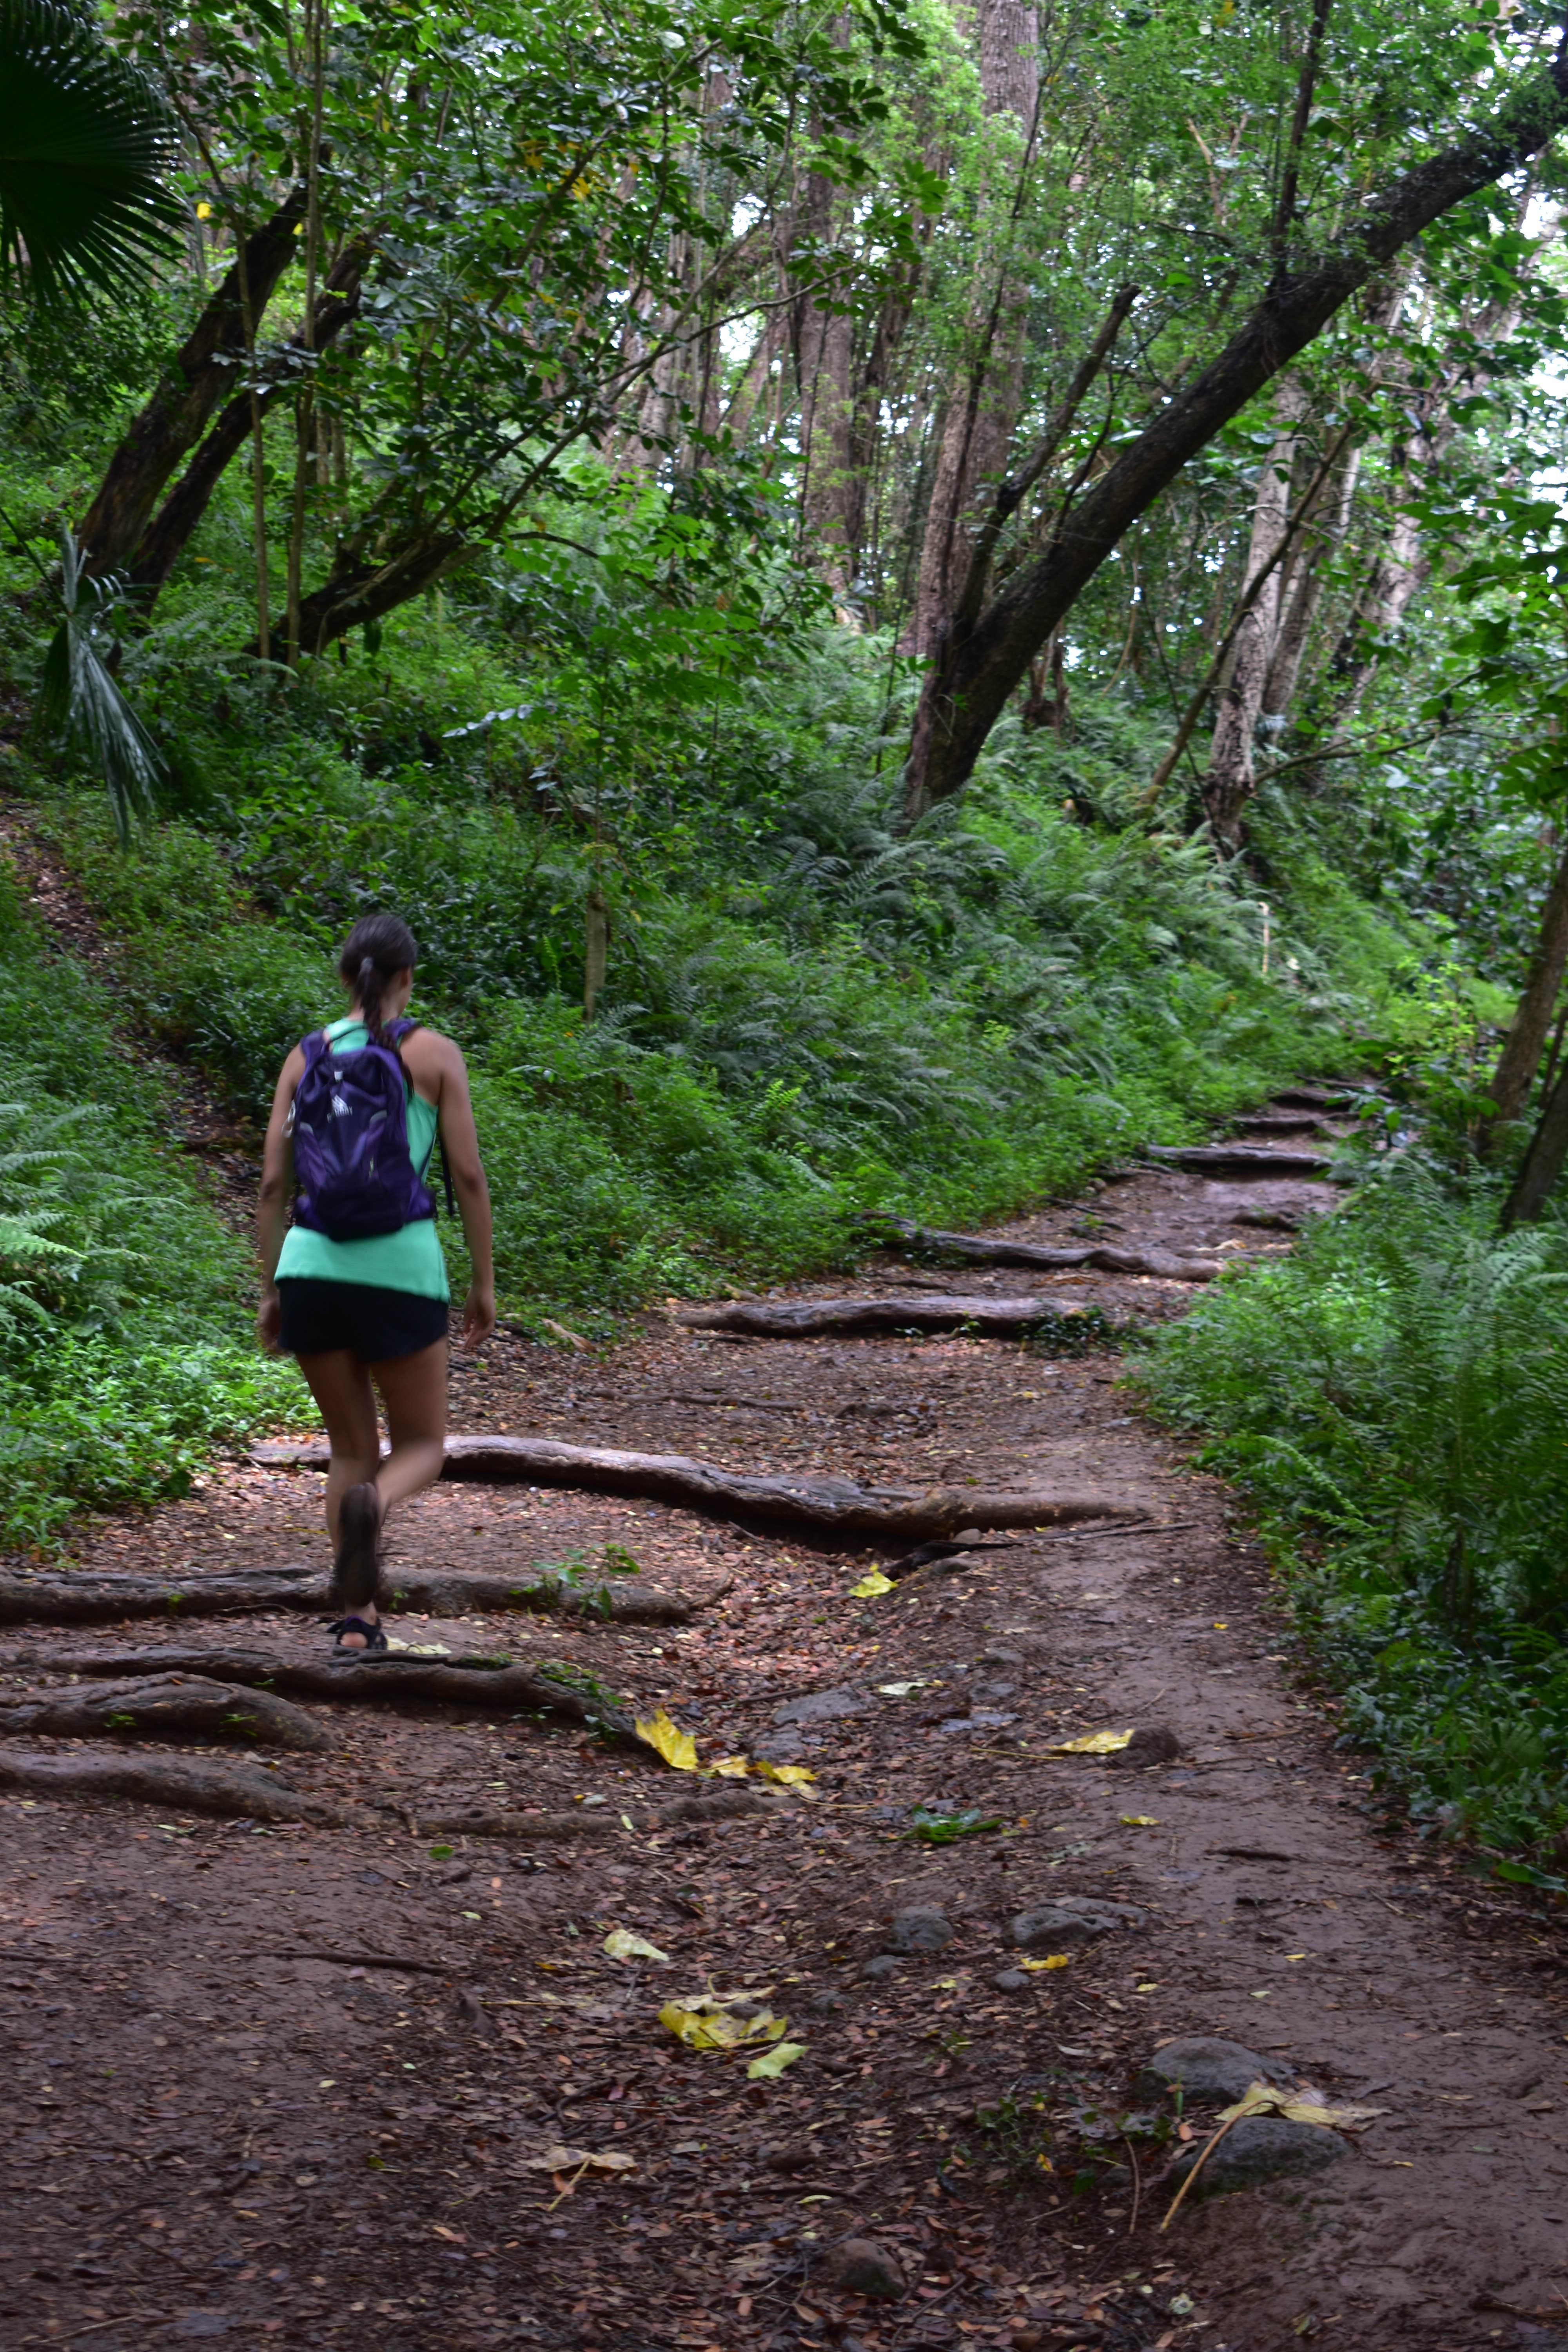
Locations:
(289, 2086)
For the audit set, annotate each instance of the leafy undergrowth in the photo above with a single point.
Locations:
(1394, 1398)
(124, 1355)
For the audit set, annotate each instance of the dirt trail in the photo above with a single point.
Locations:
(285, 2085)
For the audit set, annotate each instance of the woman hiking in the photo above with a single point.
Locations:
(357, 1287)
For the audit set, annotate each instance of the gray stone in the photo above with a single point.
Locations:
(1010, 1980)
(919, 1930)
(979, 1718)
(821, 1706)
(1067, 1924)
(1001, 1654)
(1110, 1914)
(1053, 1925)
(884, 1965)
(861, 2266)
(1212, 2072)
(782, 1748)
(1261, 2147)
(1153, 1744)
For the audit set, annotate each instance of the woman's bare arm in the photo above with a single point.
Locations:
(277, 1191)
(440, 1074)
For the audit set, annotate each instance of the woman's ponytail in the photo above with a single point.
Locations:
(377, 948)
(367, 989)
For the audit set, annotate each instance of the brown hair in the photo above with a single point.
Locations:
(377, 948)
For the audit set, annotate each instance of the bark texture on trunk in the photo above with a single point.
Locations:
(168, 533)
(1526, 1040)
(200, 381)
(365, 584)
(1542, 1169)
(1229, 780)
(1302, 592)
(977, 432)
(974, 674)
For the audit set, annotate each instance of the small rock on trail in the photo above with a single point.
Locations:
(861, 2266)
(1210, 2070)
(1259, 2147)
(919, 1930)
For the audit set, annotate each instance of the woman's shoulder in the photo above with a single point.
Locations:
(431, 1048)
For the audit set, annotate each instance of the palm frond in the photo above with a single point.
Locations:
(85, 139)
(82, 710)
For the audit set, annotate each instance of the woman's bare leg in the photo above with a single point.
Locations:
(340, 1386)
(414, 1390)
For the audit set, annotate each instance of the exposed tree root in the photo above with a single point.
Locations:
(976, 1249)
(831, 1505)
(488, 1685)
(247, 1793)
(98, 1600)
(715, 1805)
(896, 1310)
(1239, 1159)
(243, 1791)
(171, 1707)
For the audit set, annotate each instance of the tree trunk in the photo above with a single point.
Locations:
(977, 432)
(974, 674)
(1302, 592)
(1526, 1040)
(362, 588)
(201, 378)
(168, 534)
(1542, 1169)
(1229, 783)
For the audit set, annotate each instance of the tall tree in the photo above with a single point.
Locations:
(978, 668)
(985, 400)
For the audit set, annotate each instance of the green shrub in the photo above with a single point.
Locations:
(1394, 1396)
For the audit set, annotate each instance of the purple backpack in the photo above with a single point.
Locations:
(350, 1139)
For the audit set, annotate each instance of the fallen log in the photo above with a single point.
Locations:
(1239, 1159)
(980, 1249)
(100, 1601)
(829, 1504)
(173, 1705)
(241, 1792)
(499, 1688)
(911, 1311)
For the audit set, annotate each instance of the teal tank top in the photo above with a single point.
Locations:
(410, 1259)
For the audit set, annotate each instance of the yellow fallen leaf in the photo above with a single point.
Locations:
(1139, 1821)
(556, 2158)
(1093, 1743)
(1297, 2107)
(730, 1768)
(772, 2061)
(1052, 1961)
(667, 1740)
(622, 1945)
(788, 1776)
(705, 2022)
(870, 1585)
(453, 2237)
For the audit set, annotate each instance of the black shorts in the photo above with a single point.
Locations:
(375, 1324)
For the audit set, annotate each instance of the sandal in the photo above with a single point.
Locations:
(375, 1639)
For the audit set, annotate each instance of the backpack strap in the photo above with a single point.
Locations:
(399, 1032)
